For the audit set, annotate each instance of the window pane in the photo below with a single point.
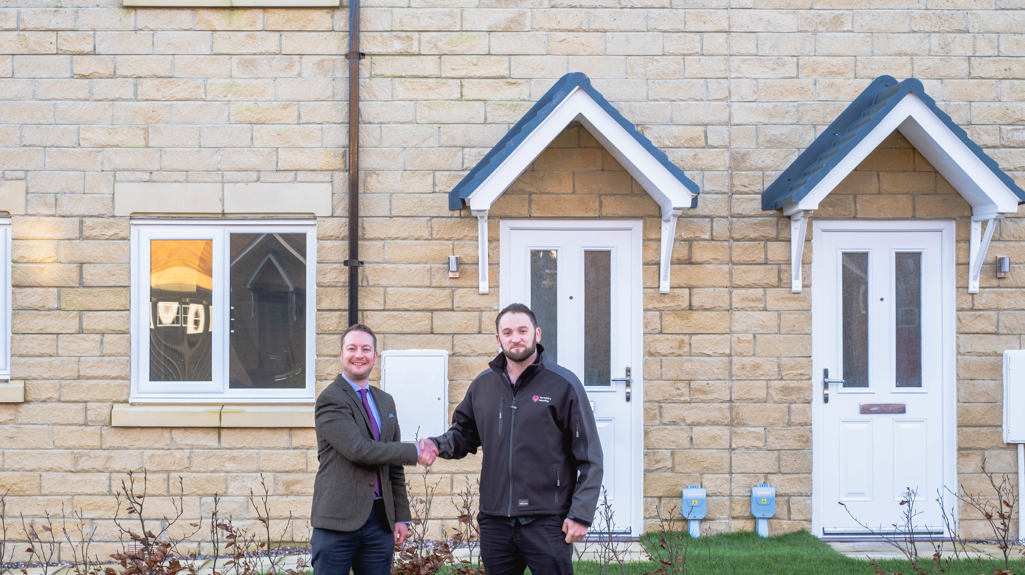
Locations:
(267, 343)
(597, 317)
(181, 276)
(855, 319)
(908, 273)
(544, 301)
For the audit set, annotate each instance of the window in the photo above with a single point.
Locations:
(5, 300)
(223, 311)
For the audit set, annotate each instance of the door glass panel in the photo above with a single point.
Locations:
(855, 319)
(268, 311)
(544, 300)
(180, 288)
(597, 317)
(908, 318)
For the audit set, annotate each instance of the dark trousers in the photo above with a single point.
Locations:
(507, 546)
(367, 551)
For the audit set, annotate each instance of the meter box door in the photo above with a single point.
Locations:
(1014, 396)
(695, 502)
(763, 500)
(418, 381)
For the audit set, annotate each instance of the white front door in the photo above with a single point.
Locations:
(883, 368)
(582, 280)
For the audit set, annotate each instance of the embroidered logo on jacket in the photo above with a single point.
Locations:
(541, 399)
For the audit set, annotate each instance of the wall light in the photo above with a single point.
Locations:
(453, 266)
(1003, 266)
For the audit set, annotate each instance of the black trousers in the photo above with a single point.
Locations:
(367, 550)
(508, 545)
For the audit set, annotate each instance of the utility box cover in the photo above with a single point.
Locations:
(1014, 396)
(418, 380)
(763, 500)
(695, 502)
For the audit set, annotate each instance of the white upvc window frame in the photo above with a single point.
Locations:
(216, 391)
(5, 299)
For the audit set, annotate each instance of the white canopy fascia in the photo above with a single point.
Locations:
(671, 195)
(988, 195)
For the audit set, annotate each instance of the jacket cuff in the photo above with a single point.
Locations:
(579, 520)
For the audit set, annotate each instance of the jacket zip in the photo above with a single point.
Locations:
(512, 420)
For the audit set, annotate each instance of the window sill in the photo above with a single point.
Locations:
(122, 415)
(228, 3)
(12, 392)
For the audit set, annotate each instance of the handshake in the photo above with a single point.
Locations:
(428, 452)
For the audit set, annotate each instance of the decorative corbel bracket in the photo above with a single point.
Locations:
(977, 247)
(668, 239)
(798, 232)
(482, 250)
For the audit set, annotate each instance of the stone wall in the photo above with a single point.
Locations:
(96, 98)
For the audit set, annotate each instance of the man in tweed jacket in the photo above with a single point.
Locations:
(360, 507)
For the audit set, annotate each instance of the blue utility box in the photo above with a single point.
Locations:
(694, 507)
(763, 500)
(763, 506)
(695, 503)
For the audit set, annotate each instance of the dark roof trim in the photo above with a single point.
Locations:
(847, 132)
(534, 117)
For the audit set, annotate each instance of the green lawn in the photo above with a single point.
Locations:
(789, 554)
(800, 552)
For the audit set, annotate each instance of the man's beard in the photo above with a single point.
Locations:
(522, 355)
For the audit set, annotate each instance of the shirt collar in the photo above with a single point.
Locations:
(356, 387)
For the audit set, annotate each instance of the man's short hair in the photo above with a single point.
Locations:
(364, 329)
(516, 308)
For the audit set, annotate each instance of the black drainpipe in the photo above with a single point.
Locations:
(353, 263)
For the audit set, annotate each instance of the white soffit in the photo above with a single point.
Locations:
(666, 188)
(976, 182)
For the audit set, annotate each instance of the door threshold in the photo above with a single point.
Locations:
(883, 537)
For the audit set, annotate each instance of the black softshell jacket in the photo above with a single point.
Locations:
(540, 443)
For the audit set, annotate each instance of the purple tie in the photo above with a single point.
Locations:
(373, 429)
(370, 414)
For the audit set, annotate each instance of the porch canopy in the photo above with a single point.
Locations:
(573, 99)
(888, 105)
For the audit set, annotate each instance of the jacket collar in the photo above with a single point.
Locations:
(501, 362)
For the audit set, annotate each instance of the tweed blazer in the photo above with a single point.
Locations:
(350, 459)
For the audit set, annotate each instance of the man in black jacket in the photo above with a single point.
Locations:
(542, 468)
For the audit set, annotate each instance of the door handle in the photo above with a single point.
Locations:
(825, 384)
(626, 380)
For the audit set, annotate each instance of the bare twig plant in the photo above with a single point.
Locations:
(418, 555)
(215, 533)
(964, 555)
(6, 550)
(673, 544)
(150, 545)
(145, 551)
(79, 539)
(903, 537)
(467, 534)
(243, 548)
(611, 552)
(997, 509)
(43, 545)
(261, 506)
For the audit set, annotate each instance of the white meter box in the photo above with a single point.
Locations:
(418, 380)
(1014, 396)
